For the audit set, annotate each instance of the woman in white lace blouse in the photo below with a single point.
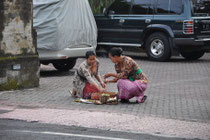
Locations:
(84, 83)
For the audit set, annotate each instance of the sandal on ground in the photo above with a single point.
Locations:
(124, 101)
(143, 99)
(73, 95)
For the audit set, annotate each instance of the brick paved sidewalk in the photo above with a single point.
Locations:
(177, 90)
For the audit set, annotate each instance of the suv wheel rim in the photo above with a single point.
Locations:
(157, 47)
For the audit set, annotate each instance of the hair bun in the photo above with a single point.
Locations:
(120, 51)
(116, 51)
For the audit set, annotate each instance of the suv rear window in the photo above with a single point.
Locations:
(201, 7)
(176, 7)
(169, 6)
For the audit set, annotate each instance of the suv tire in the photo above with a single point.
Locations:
(65, 65)
(158, 47)
(192, 55)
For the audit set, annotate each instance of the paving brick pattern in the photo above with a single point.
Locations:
(178, 89)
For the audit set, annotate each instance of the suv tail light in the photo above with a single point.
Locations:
(188, 27)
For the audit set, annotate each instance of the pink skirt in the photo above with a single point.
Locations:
(128, 89)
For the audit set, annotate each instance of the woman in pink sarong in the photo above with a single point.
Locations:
(131, 81)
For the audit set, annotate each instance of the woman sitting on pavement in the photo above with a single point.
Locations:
(83, 83)
(131, 81)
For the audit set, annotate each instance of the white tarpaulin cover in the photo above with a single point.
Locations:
(64, 24)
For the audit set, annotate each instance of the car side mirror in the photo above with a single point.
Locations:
(111, 12)
(104, 11)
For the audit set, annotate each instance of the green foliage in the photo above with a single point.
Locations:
(7, 58)
(11, 84)
(98, 5)
(17, 57)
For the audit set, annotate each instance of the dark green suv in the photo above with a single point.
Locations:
(161, 27)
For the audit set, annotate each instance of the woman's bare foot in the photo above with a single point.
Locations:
(73, 93)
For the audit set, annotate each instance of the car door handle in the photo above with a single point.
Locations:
(147, 20)
(121, 20)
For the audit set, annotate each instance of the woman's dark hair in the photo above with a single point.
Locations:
(116, 51)
(89, 53)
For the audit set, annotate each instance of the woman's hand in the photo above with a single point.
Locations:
(106, 81)
(102, 89)
(114, 80)
(103, 84)
(107, 75)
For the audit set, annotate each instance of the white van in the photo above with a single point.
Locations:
(66, 30)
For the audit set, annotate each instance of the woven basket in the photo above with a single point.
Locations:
(96, 96)
(104, 98)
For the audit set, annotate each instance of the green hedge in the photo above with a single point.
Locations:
(98, 5)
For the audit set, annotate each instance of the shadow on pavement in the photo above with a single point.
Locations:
(50, 71)
(182, 60)
(55, 73)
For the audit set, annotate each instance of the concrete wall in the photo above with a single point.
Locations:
(19, 63)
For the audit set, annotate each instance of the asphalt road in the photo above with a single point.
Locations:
(21, 130)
